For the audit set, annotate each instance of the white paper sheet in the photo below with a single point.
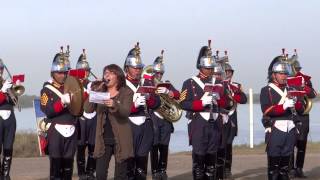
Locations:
(98, 97)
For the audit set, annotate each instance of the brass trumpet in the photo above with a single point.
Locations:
(15, 91)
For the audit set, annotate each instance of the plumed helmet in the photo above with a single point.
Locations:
(59, 63)
(205, 59)
(158, 65)
(228, 67)
(133, 58)
(278, 65)
(82, 62)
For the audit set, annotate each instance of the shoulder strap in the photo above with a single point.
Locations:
(131, 86)
(54, 90)
(198, 81)
(283, 94)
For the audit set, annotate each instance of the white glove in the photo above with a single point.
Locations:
(163, 90)
(140, 101)
(65, 99)
(207, 100)
(89, 87)
(288, 103)
(6, 85)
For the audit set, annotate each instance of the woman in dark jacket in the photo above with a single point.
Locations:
(113, 133)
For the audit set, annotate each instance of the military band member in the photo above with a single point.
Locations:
(204, 116)
(239, 97)
(87, 128)
(278, 110)
(140, 121)
(7, 125)
(62, 133)
(303, 124)
(162, 127)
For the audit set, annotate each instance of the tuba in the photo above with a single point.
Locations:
(292, 62)
(170, 109)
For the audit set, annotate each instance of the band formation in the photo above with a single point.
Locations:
(134, 119)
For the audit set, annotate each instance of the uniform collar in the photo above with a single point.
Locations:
(202, 76)
(279, 85)
(131, 79)
(57, 85)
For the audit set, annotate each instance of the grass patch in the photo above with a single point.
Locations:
(26, 145)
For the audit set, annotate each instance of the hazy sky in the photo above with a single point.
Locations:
(253, 32)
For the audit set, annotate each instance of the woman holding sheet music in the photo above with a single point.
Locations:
(113, 133)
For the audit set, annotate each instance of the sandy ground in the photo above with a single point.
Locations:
(246, 167)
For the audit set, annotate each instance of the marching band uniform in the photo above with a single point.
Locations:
(277, 109)
(62, 133)
(239, 97)
(7, 126)
(162, 129)
(87, 132)
(140, 121)
(203, 125)
(303, 124)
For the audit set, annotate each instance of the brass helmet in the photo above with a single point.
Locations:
(228, 67)
(133, 58)
(205, 58)
(82, 62)
(278, 65)
(158, 65)
(59, 63)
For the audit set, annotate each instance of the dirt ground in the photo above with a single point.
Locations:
(246, 167)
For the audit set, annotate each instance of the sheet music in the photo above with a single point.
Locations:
(98, 97)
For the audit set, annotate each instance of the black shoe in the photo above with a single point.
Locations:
(163, 175)
(300, 173)
(82, 177)
(227, 173)
(156, 176)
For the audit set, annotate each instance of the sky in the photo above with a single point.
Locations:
(253, 32)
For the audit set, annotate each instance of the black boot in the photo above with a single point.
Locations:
(6, 166)
(130, 168)
(301, 152)
(141, 168)
(198, 167)
(81, 162)
(154, 156)
(55, 168)
(91, 163)
(67, 169)
(220, 163)
(284, 167)
(163, 162)
(273, 168)
(210, 162)
(228, 163)
(291, 168)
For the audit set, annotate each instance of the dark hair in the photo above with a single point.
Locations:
(118, 72)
